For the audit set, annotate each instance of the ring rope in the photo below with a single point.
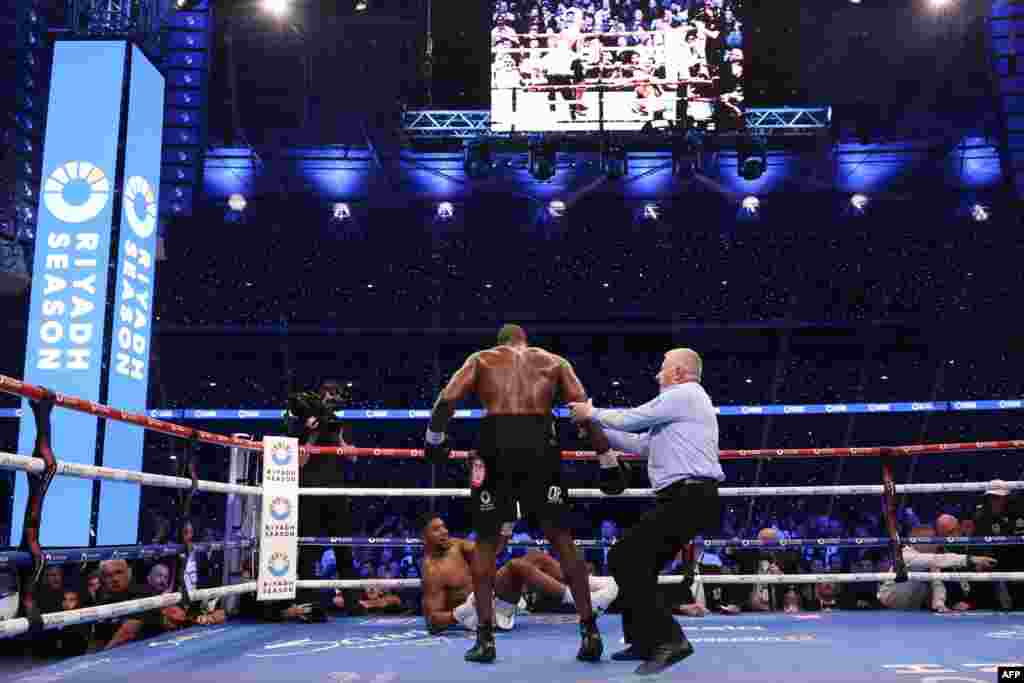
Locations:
(11, 461)
(784, 544)
(33, 392)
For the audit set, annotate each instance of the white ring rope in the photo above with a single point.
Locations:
(10, 461)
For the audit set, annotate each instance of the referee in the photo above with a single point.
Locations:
(678, 434)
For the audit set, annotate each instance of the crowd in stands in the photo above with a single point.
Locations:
(695, 265)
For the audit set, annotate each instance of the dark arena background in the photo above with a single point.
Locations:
(822, 198)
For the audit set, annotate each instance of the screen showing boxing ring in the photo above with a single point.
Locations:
(616, 65)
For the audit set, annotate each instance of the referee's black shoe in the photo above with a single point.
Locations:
(664, 656)
(631, 654)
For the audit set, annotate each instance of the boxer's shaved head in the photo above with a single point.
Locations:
(511, 334)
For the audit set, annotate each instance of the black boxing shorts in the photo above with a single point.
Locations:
(517, 462)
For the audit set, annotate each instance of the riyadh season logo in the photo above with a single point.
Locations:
(76, 192)
(280, 509)
(278, 565)
(280, 455)
(138, 191)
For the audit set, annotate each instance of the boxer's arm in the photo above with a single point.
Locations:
(438, 618)
(573, 392)
(461, 384)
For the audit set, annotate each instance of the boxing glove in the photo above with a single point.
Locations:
(614, 475)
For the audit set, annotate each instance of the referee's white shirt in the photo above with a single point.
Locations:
(677, 432)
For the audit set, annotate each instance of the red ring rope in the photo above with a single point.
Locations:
(32, 392)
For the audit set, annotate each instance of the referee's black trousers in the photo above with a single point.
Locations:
(681, 512)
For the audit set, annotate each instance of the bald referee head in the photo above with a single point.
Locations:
(680, 366)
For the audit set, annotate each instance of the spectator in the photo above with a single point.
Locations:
(117, 587)
(768, 597)
(159, 579)
(93, 585)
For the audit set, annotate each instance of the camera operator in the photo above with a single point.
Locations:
(312, 420)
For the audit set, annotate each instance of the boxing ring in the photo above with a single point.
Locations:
(829, 646)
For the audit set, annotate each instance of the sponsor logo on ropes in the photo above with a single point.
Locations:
(835, 408)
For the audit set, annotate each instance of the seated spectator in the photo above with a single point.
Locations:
(915, 594)
(721, 598)
(117, 586)
(72, 641)
(768, 597)
(92, 588)
(159, 579)
(51, 594)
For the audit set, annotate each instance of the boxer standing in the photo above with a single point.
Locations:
(517, 385)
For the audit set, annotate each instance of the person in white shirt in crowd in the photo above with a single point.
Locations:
(925, 558)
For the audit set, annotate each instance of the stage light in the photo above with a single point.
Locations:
(341, 211)
(752, 159)
(750, 209)
(276, 7)
(361, 5)
(184, 5)
(652, 212)
(477, 160)
(445, 211)
(556, 208)
(543, 159)
(237, 202)
(859, 202)
(980, 213)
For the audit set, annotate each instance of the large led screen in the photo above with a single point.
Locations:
(616, 65)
